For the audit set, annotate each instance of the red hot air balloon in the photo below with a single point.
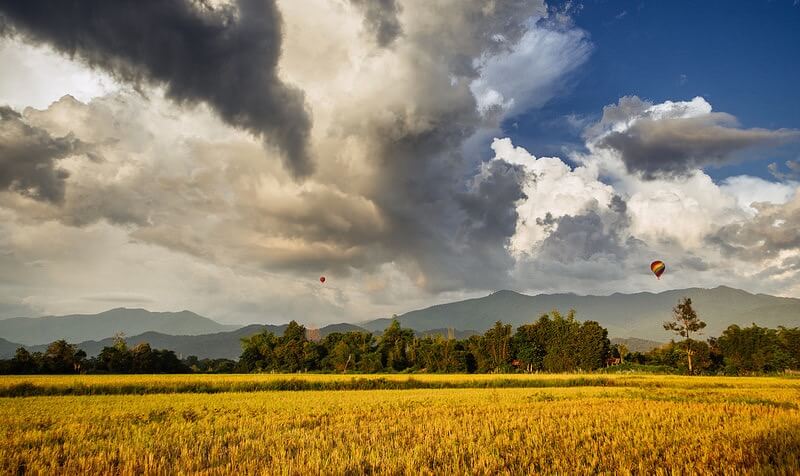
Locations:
(658, 268)
(322, 279)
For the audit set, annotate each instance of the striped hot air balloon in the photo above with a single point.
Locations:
(658, 268)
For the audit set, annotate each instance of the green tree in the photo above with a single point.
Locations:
(530, 341)
(453, 356)
(592, 346)
(561, 348)
(258, 352)
(165, 361)
(60, 358)
(370, 362)
(439, 354)
(685, 323)
(290, 351)
(312, 355)
(477, 359)
(119, 343)
(497, 343)
(143, 360)
(114, 360)
(23, 362)
(350, 351)
(342, 357)
(79, 360)
(393, 346)
(194, 363)
(622, 352)
(790, 341)
(752, 349)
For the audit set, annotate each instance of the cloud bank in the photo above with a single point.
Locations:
(29, 158)
(226, 56)
(677, 139)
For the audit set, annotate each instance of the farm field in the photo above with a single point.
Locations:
(516, 424)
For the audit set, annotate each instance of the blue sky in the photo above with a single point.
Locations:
(742, 57)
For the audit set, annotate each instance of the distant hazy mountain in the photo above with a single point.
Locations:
(330, 329)
(218, 345)
(82, 327)
(637, 316)
(625, 315)
(7, 349)
(637, 345)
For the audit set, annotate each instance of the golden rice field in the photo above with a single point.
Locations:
(567, 424)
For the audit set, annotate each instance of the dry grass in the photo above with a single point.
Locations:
(46, 385)
(638, 424)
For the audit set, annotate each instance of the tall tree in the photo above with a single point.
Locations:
(530, 341)
(498, 345)
(685, 323)
(393, 346)
(143, 359)
(622, 351)
(561, 350)
(258, 352)
(23, 362)
(477, 359)
(593, 346)
(790, 340)
(753, 349)
(60, 357)
(291, 350)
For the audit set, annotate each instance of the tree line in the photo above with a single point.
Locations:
(553, 343)
(738, 351)
(60, 357)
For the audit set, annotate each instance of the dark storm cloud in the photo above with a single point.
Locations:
(433, 219)
(29, 156)
(579, 238)
(380, 18)
(694, 263)
(436, 222)
(226, 57)
(626, 108)
(775, 228)
(547, 223)
(674, 146)
(446, 225)
(792, 263)
(785, 272)
(489, 221)
(427, 207)
(489, 206)
(492, 27)
(583, 248)
(595, 233)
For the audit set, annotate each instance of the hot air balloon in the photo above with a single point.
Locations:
(322, 279)
(658, 268)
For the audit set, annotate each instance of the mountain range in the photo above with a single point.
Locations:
(634, 344)
(638, 315)
(82, 327)
(633, 319)
(226, 345)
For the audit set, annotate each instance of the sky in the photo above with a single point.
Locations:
(221, 156)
